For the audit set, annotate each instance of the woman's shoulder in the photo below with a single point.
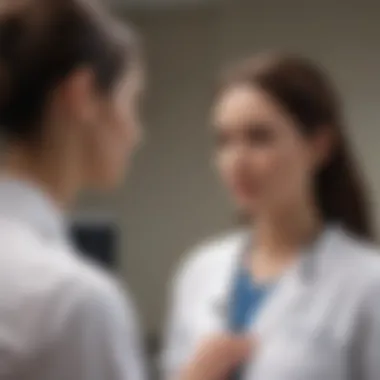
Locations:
(49, 269)
(223, 245)
(215, 254)
(358, 251)
(361, 271)
(358, 260)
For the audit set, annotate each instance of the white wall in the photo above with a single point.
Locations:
(172, 199)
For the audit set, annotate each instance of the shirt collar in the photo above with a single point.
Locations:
(25, 202)
(311, 256)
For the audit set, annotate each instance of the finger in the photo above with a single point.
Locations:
(242, 347)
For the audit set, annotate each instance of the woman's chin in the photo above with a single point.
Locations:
(247, 203)
(109, 182)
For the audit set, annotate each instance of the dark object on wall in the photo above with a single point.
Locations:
(97, 241)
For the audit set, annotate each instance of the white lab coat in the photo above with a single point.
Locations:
(61, 318)
(321, 322)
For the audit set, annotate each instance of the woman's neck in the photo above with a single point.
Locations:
(279, 240)
(43, 171)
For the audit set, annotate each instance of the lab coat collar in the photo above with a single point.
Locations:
(311, 257)
(313, 264)
(26, 203)
(315, 256)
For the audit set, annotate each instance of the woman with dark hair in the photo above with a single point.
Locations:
(302, 280)
(70, 77)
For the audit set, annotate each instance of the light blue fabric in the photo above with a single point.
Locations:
(245, 303)
(247, 298)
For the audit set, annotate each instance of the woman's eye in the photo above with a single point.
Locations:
(250, 136)
(260, 136)
(221, 139)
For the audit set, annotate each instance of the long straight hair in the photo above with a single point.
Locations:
(306, 93)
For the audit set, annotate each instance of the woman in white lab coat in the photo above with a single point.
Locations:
(302, 278)
(69, 81)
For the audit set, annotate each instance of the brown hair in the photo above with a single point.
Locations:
(41, 43)
(305, 92)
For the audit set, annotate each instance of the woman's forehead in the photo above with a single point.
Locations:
(243, 104)
(133, 81)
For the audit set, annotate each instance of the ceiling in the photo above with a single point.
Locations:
(159, 4)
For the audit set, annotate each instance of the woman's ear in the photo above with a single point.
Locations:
(79, 96)
(323, 143)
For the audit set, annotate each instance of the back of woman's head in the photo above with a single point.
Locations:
(41, 43)
(305, 93)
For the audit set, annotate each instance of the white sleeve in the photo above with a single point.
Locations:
(98, 340)
(193, 274)
(369, 339)
(175, 344)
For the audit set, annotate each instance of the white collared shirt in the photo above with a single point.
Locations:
(61, 318)
(322, 321)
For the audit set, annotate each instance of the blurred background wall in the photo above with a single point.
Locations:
(172, 199)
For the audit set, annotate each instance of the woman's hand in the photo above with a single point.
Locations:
(218, 357)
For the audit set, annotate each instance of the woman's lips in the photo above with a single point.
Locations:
(244, 189)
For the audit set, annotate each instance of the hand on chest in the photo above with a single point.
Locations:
(298, 329)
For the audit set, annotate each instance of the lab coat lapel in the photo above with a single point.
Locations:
(27, 204)
(295, 283)
(277, 305)
(229, 266)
